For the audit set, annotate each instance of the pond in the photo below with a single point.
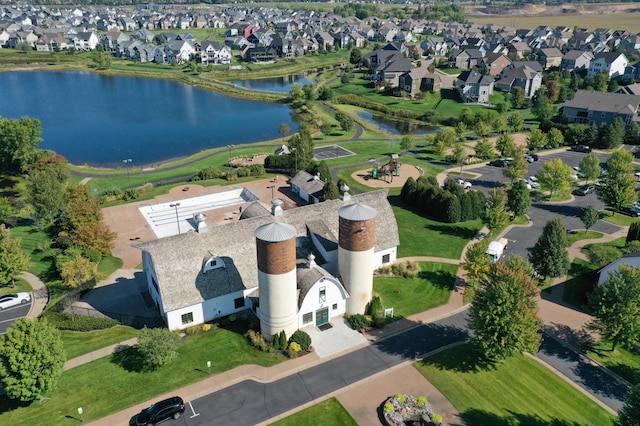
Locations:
(397, 127)
(102, 120)
(275, 84)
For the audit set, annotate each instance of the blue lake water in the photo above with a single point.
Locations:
(397, 127)
(102, 120)
(279, 84)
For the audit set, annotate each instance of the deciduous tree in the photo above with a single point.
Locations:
(506, 145)
(496, 215)
(31, 359)
(157, 346)
(13, 261)
(284, 130)
(517, 98)
(589, 216)
(19, 138)
(406, 143)
(536, 140)
(590, 167)
(615, 306)
(554, 175)
(555, 138)
(629, 415)
(503, 313)
(549, 255)
(515, 122)
(476, 262)
(518, 198)
(618, 186)
(484, 149)
(517, 167)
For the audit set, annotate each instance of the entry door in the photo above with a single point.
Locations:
(322, 316)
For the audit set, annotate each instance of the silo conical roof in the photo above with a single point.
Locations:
(275, 232)
(357, 212)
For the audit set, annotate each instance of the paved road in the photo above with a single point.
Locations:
(8, 316)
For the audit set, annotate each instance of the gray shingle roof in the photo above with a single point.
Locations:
(177, 260)
(605, 102)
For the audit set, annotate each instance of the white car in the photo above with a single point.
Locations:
(464, 183)
(533, 181)
(526, 182)
(14, 299)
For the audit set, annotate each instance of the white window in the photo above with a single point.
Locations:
(323, 294)
(187, 318)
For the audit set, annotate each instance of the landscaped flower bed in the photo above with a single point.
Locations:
(403, 409)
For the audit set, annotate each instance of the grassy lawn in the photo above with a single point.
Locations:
(21, 286)
(41, 262)
(624, 363)
(329, 413)
(574, 237)
(109, 265)
(518, 391)
(618, 218)
(407, 296)
(420, 236)
(79, 343)
(112, 383)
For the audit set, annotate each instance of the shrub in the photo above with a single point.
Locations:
(388, 407)
(400, 397)
(232, 318)
(358, 322)
(157, 346)
(64, 321)
(601, 255)
(258, 341)
(293, 350)
(147, 187)
(421, 400)
(256, 169)
(194, 329)
(131, 194)
(302, 338)
(634, 232)
(207, 173)
(377, 312)
(243, 172)
(209, 327)
(282, 339)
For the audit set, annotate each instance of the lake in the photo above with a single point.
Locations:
(101, 120)
(397, 127)
(275, 84)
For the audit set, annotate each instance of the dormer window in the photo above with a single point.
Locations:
(214, 262)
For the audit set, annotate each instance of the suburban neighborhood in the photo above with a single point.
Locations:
(445, 232)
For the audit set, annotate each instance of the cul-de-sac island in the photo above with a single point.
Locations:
(320, 213)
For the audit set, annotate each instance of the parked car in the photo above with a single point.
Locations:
(533, 181)
(171, 408)
(529, 158)
(581, 148)
(14, 299)
(588, 189)
(499, 163)
(527, 183)
(463, 183)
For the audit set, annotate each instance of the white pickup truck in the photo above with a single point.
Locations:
(497, 248)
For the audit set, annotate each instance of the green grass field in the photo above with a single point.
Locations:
(113, 383)
(518, 391)
(327, 413)
(407, 296)
(623, 362)
(78, 343)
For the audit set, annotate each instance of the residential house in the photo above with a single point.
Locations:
(85, 41)
(474, 87)
(465, 59)
(588, 107)
(549, 57)
(391, 71)
(238, 43)
(179, 50)
(111, 39)
(631, 89)
(435, 46)
(631, 72)
(631, 259)
(524, 77)
(519, 49)
(260, 54)
(419, 80)
(610, 63)
(325, 40)
(213, 52)
(200, 276)
(494, 63)
(576, 60)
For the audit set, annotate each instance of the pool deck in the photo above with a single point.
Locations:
(132, 227)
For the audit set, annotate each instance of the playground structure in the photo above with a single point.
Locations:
(391, 169)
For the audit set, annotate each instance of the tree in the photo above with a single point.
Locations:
(536, 140)
(302, 144)
(515, 122)
(296, 94)
(617, 189)
(32, 358)
(517, 167)
(481, 128)
(326, 129)
(356, 56)
(330, 191)
(629, 415)
(13, 261)
(157, 346)
(76, 270)
(542, 108)
(346, 123)
(310, 91)
(458, 154)
(496, 215)
(503, 314)
(461, 130)
(518, 198)
(476, 262)
(20, 139)
(553, 90)
(615, 306)
(94, 237)
(497, 124)
(46, 192)
(506, 145)
(325, 93)
(517, 97)
(406, 143)
(5, 208)
(555, 138)
(80, 208)
(284, 130)
(554, 175)
(590, 167)
(484, 149)
(589, 216)
(549, 255)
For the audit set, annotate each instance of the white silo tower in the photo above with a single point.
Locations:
(357, 238)
(276, 246)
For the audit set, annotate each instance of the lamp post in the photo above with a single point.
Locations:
(272, 187)
(126, 164)
(295, 151)
(229, 163)
(176, 205)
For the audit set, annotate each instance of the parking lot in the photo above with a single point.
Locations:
(522, 239)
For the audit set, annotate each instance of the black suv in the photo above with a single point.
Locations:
(171, 408)
(581, 148)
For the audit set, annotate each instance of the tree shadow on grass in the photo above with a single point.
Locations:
(7, 405)
(480, 417)
(439, 279)
(451, 229)
(465, 358)
(130, 359)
